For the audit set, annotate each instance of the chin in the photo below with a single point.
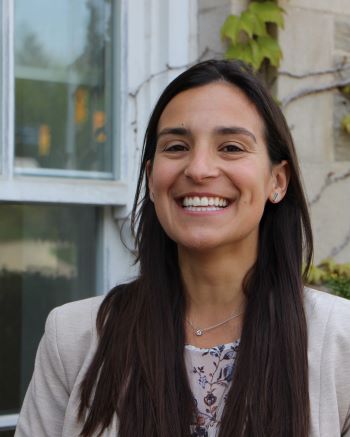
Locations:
(199, 243)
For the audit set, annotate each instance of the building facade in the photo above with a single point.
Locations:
(78, 80)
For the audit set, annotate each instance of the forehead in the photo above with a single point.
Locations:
(207, 106)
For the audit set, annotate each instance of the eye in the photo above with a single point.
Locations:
(175, 147)
(231, 148)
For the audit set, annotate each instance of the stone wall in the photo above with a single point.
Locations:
(316, 47)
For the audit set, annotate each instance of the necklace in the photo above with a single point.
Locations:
(201, 331)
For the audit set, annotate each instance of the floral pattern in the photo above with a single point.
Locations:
(210, 374)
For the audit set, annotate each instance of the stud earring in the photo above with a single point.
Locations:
(275, 197)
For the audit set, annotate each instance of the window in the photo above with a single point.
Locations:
(59, 175)
(60, 122)
(47, 258)
(63, 88)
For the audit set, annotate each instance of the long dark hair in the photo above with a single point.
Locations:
(138, 370)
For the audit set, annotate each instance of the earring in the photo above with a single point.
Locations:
(275, 197)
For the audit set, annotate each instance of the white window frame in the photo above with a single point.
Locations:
(50, 185)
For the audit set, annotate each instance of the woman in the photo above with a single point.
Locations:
(217, 336)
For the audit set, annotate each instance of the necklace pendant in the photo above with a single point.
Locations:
(199, 332)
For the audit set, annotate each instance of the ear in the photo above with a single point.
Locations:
(280, 181)
(149, 179)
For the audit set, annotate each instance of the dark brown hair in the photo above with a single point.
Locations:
(138, 370)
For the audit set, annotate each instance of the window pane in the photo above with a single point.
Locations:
(47, 258)
(8, 433)
(63, 86)
(1, 88)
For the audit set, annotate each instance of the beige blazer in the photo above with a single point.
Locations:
(69, 343)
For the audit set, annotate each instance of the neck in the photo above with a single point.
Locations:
(214, 279)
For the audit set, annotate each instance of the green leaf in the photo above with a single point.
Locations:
(270, 49)
(252, 25)
(268, 12)
(240, 51)
(345, 123)
(231, 28)
(316, 275)
(257, 54)
(346, 90)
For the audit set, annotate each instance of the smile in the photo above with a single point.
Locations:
(204, 203)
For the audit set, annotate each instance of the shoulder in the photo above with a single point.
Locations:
(71, 330)
(324, 309)
(328, 321)
(79, 315)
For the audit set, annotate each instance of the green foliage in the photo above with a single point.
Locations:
(335, 277)
(345, 123)
(248, 36)
(346, 90)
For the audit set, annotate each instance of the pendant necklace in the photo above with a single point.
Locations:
(200, 331)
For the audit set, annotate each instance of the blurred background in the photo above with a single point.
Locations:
(78, 80)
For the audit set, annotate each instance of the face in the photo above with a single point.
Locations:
(211, 175)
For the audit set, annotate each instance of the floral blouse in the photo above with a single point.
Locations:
(210, 374)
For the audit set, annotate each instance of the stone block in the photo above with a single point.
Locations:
(211, 4)
(306, 40)
(237, 6)
(332, 228)
(210, 21)
(310, 120)
(342, 35)
(336, 6)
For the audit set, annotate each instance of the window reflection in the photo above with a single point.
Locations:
(63, 85)
(47, 258)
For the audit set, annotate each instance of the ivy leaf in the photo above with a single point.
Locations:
(268, 12)
(240, 51)
(316, 275)
(257, 54)
(346, 90)
(270, 49)
(344, 270)
(231, 28)
(328, 265)
(252, 25)
(345, 123)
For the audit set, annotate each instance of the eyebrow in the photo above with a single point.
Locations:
(181, 131)
(220, 130)
(229, 130)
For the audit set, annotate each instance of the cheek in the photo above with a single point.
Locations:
(162, 177)
(255, 184)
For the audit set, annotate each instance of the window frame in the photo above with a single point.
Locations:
(50, 185)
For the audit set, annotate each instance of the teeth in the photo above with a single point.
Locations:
(203, 208)
(206, 202)
(196, 201)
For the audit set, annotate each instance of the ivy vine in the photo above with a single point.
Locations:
(335, 277)
(251, 39)
(249, 34)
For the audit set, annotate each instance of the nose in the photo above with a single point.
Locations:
(201, 166)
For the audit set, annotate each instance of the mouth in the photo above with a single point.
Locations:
(204, 203)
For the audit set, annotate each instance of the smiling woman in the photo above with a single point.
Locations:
(200, 157)
(218, 336)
